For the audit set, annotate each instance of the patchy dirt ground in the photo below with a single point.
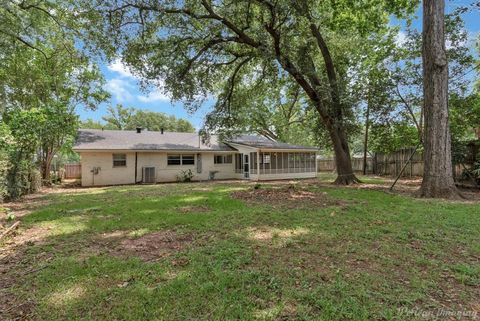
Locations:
(411, 186)
(290, 196)
(155, 246)
(149, 247)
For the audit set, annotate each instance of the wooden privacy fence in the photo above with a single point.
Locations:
(73, 171)
(391, 164)
(357, 164)
(383, 164)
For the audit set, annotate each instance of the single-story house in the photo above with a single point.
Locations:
(113, 157)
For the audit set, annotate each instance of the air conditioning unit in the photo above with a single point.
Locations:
(148, 175)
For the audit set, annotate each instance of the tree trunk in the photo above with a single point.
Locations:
(437, 178)
(345, 175)
(45, 167)
(365, 142)
(46, 172)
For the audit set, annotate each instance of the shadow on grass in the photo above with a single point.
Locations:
(244, 262)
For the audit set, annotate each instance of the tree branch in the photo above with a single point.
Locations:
(243, 37)
(26, 43)
(410, 111)
(232, 81)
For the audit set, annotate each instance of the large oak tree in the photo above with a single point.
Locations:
(203, 47)
(438, 175)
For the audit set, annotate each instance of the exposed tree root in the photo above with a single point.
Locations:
(347, 179)
(446, 192)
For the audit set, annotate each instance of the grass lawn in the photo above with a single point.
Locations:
(228, 251)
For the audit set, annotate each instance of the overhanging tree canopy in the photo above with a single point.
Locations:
(195, 48)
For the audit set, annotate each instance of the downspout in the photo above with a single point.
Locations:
(136, 154)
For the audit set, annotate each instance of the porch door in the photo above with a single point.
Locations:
(246, 166)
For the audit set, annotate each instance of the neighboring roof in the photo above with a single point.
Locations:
(97, 139)
(262, 142)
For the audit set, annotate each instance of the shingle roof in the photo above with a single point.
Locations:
(262, 142)
(97, 139)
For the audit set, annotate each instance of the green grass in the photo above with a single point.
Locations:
(361, 261)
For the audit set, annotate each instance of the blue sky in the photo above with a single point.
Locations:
(125, 90)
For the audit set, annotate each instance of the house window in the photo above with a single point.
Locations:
(222, 159)
(188, 159)
(119, 160)
(174, 160)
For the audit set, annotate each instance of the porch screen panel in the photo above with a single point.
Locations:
(238, 163)
(273, 164)
(253, 163)
(279, 163)
(312, 162)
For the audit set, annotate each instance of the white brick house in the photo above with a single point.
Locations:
(113, 157)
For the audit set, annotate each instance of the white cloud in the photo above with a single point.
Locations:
(154, 96)
(120, 89)
(124, 87)
(401, 38)
(119, 67)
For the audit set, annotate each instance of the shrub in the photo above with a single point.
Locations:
(185, 176)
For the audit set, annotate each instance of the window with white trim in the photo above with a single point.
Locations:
(119, 160)
(222, 159)
(181, 159)
(188, 159)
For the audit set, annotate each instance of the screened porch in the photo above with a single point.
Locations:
(268, 163)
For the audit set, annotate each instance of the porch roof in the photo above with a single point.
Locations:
(265, 143)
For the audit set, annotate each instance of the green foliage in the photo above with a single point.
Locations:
(44, 77)
(37, 133)
(119, 117)
(393, 86)
(10, 217)
(185, 176)
(464, 115)
(387, 138)
(251, 56)
(476, 170)
(156, 121)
